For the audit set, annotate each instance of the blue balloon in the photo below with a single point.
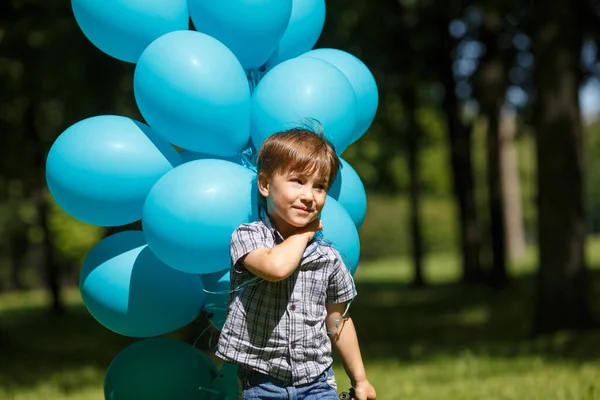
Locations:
(349, 191)
(250, 28)
(303, 89)
(187, 156)
(101, 169)
(131, 292)
(217, 287)
(362, 81)
(159, 369)
(193, 92)
(303, 31)
(124, 28)
(339, 229)
(191, 213)
(226, 381)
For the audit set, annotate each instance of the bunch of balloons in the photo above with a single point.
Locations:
(213, 90)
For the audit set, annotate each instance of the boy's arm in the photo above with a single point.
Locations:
(346, 341)
(279, 262)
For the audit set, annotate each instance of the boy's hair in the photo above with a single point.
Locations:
(298, 150)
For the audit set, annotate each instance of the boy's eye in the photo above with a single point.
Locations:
(320, 187)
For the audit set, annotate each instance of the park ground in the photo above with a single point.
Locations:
(445, 341)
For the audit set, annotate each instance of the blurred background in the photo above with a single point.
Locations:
(480, 255)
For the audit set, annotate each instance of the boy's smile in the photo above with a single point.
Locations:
(293, 199)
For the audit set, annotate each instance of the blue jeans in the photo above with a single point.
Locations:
(257, 386)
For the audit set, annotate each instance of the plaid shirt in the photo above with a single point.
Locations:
(278, 328)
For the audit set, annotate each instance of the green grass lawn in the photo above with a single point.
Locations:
(443, 342)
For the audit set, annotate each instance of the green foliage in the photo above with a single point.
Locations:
(435, 174)
(50, 77)
(592, 178)
(527, 176)
(386, 231)
(72, 238)
(525, 147)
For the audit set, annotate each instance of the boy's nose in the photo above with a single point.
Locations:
(306, 194)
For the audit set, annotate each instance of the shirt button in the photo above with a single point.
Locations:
(293, 307)
(293, 345)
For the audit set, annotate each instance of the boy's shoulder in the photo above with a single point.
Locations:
(328, 251)
(254, 224)
(250, 228)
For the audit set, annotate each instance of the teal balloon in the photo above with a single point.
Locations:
(303, 31)
(362, 81)
(251, 29)
(187, 156)
(191, 213)
(101, 169)
(226, 382)
(349, 191)
(194, 93)
(124, 28)
(339, 230)
(217, 287)
(159, 369)
(131, 292)
(302, 90)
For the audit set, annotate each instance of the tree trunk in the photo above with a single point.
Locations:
(491, 89)
(498, 276)
(17, 251)
(562, 291)
(413, 132)
(459, 137)
(50, 270)
(511, 187)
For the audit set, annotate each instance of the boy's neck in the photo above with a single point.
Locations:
(277, 224)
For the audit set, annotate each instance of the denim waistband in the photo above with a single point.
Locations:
(249, 377)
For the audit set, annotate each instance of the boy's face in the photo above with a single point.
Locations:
(293, 199)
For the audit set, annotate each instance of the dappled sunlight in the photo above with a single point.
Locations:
(75, 382)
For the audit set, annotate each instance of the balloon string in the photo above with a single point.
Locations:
(254, 281)
(247, 156)
(326, 242)
(200, 335)
(319, 238)
(212, 308)
(313, 125)
(254, 76)
(211, 346)
(213, 391)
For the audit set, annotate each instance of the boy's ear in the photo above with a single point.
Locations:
(263, 185)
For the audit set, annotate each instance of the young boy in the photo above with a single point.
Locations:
(289, 291)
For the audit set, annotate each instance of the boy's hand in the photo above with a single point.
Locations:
(310, 229)
(363, 390)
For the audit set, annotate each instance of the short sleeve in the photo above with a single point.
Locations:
(341, 287)
(249, 237)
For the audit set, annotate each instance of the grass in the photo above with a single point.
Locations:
(442, 342)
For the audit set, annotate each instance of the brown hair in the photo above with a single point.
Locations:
(298, 150)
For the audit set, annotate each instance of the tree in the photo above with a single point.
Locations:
(412, 152)
(395, 54)
(562, 292)
(511, 186)
(491, 88)
(459, 139)
(51, 77)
